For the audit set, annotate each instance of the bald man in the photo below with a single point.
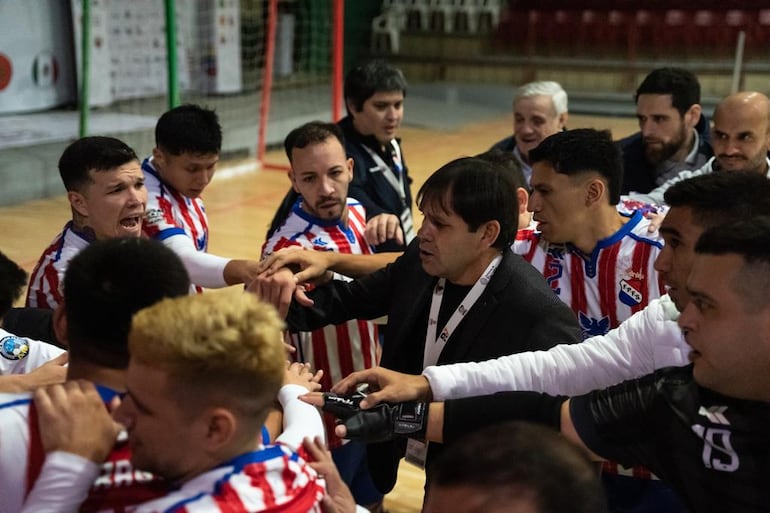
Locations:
(740, 138)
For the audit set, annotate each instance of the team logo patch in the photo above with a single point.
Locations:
(629, 295)
(592, 326)
(153, 216)
(13, 348)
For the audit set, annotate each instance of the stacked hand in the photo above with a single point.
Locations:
(376, 424)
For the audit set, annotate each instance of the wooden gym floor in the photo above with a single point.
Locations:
(241, 207)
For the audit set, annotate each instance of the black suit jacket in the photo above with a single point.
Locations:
(369, 187)
(517, 312)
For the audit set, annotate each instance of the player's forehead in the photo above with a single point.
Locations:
(654, 104)
(128, 172)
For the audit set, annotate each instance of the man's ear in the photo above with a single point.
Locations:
(78, 202)
(491, 229)
(692, 116)
(59, 321)
(220, 428)
(293, 181)
(595, 191)
(563, 119)
(523, 198)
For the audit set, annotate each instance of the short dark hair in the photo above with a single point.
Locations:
(477, 191)
(721, 197)
(508, 161)
(12, 281)
(681, 84)
(750, 239)
(583, 150)
(313, 132)
(105, 284)
(518, 459)
(189, 129)
(362, 82)
(94, 153)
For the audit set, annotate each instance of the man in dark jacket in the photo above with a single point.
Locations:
(674, 133)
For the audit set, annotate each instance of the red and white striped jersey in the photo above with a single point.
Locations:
(117, 489)
(342, 349)
(609, 285)
(273, 478)
(170, 213)
(46, 282)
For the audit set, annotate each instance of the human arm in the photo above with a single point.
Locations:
(51, 372)
(300, 420)
(33, 323)
(211, 271)
(77, 433)
(650, 339)
(385, 385)
(313, 265)
(624, 423)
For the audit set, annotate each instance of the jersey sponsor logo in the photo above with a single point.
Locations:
(318, 241)
(14, 348)
(120, 473)
(592, 326)
(629, 293)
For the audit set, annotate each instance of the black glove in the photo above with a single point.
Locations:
(379, 423)
(343, 406)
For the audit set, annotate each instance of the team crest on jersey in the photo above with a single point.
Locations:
(591, 326)
(14, 348)
(630, 292)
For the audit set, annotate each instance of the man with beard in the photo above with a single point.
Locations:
(539, 110)
(324, 218)
(741, 140)
(673, 132)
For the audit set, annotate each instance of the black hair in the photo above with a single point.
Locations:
(477, 191)
(94, 153)
(12, 281)
(313, 132)
(517, 459)
(189, 129)
(376, 76)
(105, 284)
(508, 161)
(750, 239)
(681, 84)
(721, 197)
(583, 150)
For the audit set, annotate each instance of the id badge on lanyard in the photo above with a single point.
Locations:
(416, 450)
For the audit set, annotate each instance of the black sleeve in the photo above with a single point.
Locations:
(463, 416)
(621, 423)
(335, 302)
(34, 323)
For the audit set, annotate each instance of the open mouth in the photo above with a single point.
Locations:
(131, 222)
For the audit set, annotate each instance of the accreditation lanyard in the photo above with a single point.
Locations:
(396, 181)
(435, 344)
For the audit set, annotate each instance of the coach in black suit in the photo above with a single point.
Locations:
(458, 280)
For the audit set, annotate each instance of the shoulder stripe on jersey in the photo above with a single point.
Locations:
(170, 232)
(17, 402)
